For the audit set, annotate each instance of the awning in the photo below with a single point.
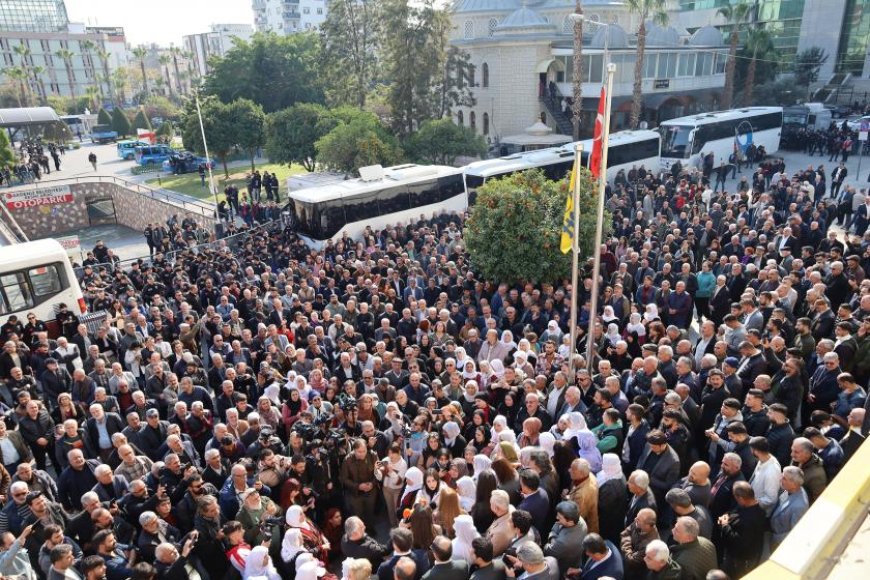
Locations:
(544, 65)
(27, 116)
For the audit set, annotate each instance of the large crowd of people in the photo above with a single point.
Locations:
(376, 408)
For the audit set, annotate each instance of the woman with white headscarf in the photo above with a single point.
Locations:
(466, 533)
(499, 424)
(652, 313)
(413, 484)
(467, 491)
(461, 357)
(553, 333)
(612, 496)
(609, 315)
(587, 444)
(522, 364)
(546, 441)
(259, 565)
(481, 463)
(454, 442)
(469, 371)
(312, 538)
(526, 347)
(565, 348)
(496, 366)
(576, 424)
(612, 335)
(291, 546)
(507, 339)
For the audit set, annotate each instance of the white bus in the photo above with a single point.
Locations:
(688, 139)
(381, 197)
(36, 277)
(626, 149)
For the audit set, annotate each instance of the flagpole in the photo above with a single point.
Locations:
(599, 227)
(575, 259)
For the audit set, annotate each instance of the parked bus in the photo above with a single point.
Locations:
(36, 277)
(382, 196)
(688, 139)
(626, 150)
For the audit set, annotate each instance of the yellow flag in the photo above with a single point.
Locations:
(568, 227)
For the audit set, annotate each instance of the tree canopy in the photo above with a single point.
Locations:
(120, 122)
(7, 156)
(349, 50)
(103, 117)
(218, 123)
(271, 70)
(141, 121)
(250, 126)
(442, 141)
(807, 65)
(514, 228)
(291, 134)
(359, 139)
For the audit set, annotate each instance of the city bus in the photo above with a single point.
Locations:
(626, 149)
(380, 197)
(688, 139)
(36, 277)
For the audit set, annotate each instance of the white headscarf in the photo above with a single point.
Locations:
(576, 424)
(481, 463)
(499, 421)
(451, 432)
(273, 391)
(611, 468)
(613, 333)
(468, 396)
(254, 567)
(635, 325)
(507, 338)
(292, 544)
(296, 517)
(467, 491)
(461, 357)
(469, 375)
(497, 367)
(463, 525)
(652, 312)
(413, 481)
(310, 571)
(609, 314)
(546, 440)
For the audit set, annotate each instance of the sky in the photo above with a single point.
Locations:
(160, 21)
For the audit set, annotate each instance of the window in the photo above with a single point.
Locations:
(460, 118)
(486, 123)
(469, 29)
(596, 66)
(632, 152)
(721, 59)
(472, 74)
(320, 10)
(686, 67)
(485, 75)
(306, 10)
(16, 292)
(392, 200)
(45, 280)
(472, 120)
(649, 65)
(491, 26)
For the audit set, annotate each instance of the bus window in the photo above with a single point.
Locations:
(363, 207)
(45, 280)
(331, 218)
(393, 200)
(473, 181)
(450, 187)
(424, 193)
(676, 141)
(17, 293)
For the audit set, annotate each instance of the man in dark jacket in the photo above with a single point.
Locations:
(37, 429)
(402, 540)
(100, 428)
(661, 463)
(445, 567)
(695, 554)
(356, 543)
(742, 532)
(76, 479)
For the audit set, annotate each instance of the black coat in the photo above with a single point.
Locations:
(114, 424)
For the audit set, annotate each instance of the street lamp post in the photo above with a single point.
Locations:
(207, 161)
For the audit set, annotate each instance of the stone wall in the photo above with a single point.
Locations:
(49, 217)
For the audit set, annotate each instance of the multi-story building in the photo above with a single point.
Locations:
(215, 43)
(522, 52)
(840, 27)
(288, 16)
(33, 16)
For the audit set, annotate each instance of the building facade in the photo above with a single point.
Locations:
(33, 16)
(522, 55)
(289, 16)
(215, 43)
(840, 27)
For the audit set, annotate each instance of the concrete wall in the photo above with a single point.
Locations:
(132, 209)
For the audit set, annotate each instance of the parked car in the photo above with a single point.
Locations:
(127, 148)
(185, 162)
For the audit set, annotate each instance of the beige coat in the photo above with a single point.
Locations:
(585, 496)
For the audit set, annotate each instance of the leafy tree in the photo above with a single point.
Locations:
(103, 117)
(784, 92)
(442, 141)
(349, 50)
(357, 143)
(7, 156)
(735, 15)
(425, 79)
(120, 122)
(273, 71)
(166, 129)
(645, 9)
(807, 65)
(515, 226)
(250, 126)
(292, 133)
(219, 125)
(141, 121)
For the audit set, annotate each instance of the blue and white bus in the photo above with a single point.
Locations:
(688, 139)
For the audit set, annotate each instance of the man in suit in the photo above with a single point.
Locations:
(484, 566)
(402, 540)
(853, 438)
(602, 559)
(535, 500)
(531, 559)
(838, 176)
(445, 567)
(792, 505)
(661, 463)
(100, 428)
(720, 301)
(641, 495)
(500, 532)
(721, 496)
(566, 535)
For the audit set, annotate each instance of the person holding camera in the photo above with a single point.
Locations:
(255, 514)
(391, 473)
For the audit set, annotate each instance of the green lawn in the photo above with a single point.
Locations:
(189, 183)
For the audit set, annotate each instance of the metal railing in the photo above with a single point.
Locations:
(185, 202)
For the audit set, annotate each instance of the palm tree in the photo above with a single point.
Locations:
(38, 71)
(164, 65)
(735, 15)
(175, 52)
(19, 75)
(577, 70)
(23, 52)
(759, 43)
(119, 81)
(93, 93)
(67, 56)
(656, 10)
(107, 76)
(140, 52)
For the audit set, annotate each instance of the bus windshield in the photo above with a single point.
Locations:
(473, 181)
(676, 141)
(794, 119)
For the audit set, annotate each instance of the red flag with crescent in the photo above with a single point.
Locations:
(595, 158)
